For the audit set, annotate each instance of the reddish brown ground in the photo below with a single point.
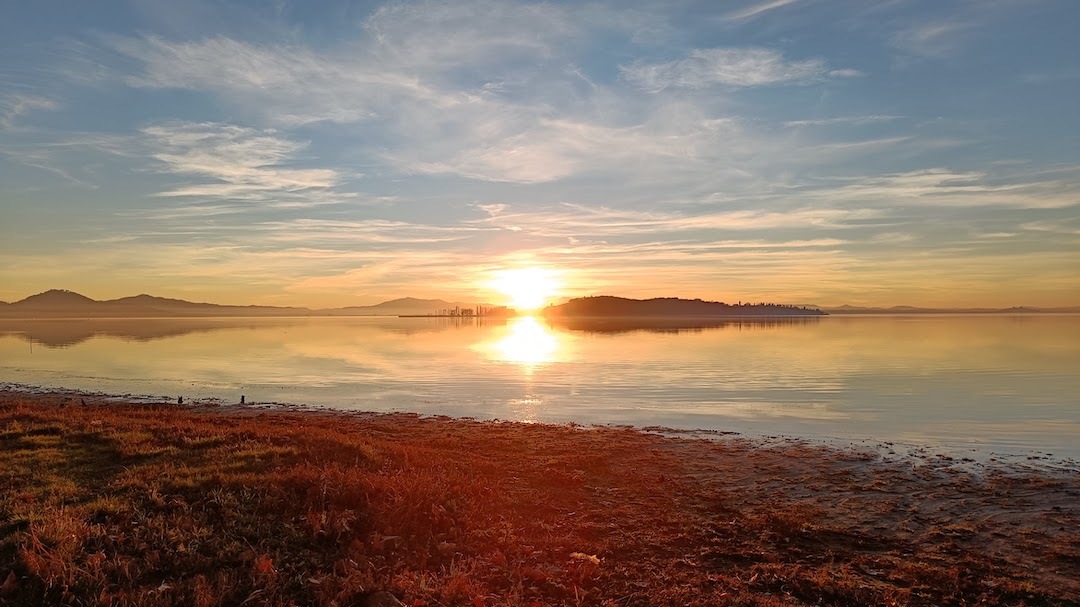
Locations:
(124, 504)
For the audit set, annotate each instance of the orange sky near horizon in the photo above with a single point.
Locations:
(534, 285)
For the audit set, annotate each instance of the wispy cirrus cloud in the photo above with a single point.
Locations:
(15, 106)
(315, 232)
(853, 120)
(734, 67)
(445, 96)
(293, 84)
(552, 149)
(392, 84)
(65, 155)
(933, 39)
(1070, 227)
(590, 222)
(241, 163)
(435, 36)
(756, 9)
(423, 56)
(941, 187)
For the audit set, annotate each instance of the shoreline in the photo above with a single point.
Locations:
(974, 456)
(325, 507)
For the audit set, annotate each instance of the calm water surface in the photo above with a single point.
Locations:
(996, 383)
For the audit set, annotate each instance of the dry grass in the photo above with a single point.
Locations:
(106, 504)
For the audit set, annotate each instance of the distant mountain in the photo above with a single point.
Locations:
(55, 298)
(846, 309)
(607, 306)
(402, 306)
(58, 303)
(150, 300)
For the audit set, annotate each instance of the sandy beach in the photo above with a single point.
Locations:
(114, 503)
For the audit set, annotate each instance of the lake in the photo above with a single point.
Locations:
(993, 383)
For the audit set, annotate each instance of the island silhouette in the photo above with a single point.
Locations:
(611, 306)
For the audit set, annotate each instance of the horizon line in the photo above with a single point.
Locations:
(564, 300)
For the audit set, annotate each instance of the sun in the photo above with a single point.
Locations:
(527, 288)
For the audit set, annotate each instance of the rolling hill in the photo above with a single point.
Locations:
(59, 303)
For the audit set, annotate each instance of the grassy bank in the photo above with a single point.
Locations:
(124, 504)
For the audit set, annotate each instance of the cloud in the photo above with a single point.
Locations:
(855, 120)
(425, 55)
(735, 67)
(64, 155)
(937, 39)
(1070, 227)
(489, 91)
(13, 107)
(941, 187)
(947, 29)
(294, 84)
(757, 9)
(321, 232)
(1051, 76)
(553, 149)
(438, 36)
(677, 143)
(592, 268)
(599, 223)
(241, 163)
(436, 84)
(43, 159)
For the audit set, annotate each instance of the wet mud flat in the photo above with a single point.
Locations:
(105, 502)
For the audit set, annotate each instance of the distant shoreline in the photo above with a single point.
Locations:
(692, 317)
(60, 304)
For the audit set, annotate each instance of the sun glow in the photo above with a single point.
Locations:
(527, 288)
(528, 343)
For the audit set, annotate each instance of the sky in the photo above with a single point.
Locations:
(822, 152)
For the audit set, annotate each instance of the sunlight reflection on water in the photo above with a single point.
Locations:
(527, 343)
